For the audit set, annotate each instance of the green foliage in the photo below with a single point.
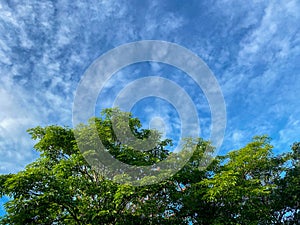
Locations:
(247, 186)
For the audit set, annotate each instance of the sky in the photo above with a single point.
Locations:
(251, 47)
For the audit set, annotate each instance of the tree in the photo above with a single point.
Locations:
(247, 186)
(60, 187)
(287, 195)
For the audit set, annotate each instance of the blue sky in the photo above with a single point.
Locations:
(252, 47)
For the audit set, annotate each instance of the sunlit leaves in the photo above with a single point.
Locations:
(246, 186)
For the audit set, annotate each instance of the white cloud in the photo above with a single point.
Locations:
(159, 21)
(237, 136)
(46, 46)
(272, 38)
(290, 133)
(15, 143)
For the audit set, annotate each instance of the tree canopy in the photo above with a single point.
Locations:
(251, 185)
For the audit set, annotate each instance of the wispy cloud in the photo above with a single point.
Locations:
(258, 83)
(252, 48)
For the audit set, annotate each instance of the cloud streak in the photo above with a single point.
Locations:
(45, 47)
